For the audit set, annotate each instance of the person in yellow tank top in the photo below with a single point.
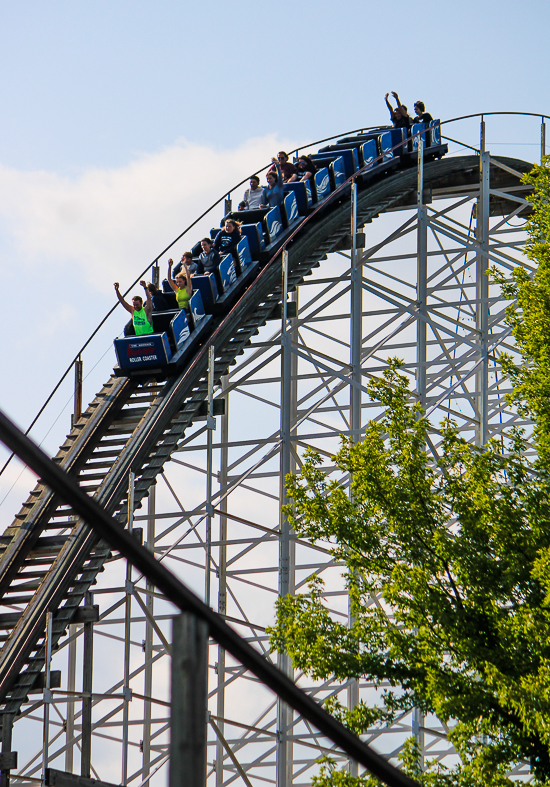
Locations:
(182, 285)
(142, 321)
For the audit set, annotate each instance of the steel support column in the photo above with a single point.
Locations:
(286, 579)
(148, 642)
(71, 687)
(356, 338)
(126, 691)
(210, 428)
(87, 675)
(356, 323)
(482, 297)
(422, 278)
(47, 695)
(73, 645)
(421, 344)
(222, 580)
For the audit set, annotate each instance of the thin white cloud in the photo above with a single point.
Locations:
(112, 222)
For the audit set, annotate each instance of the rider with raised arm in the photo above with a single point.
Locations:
(399, 116)
(182, 285)
(142, 321)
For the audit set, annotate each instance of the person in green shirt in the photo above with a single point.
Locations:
(142, 321)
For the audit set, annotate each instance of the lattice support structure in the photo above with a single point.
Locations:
(418, 291)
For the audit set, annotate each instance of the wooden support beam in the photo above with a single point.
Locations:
(88, 614)
(7, 729)
(277, 312)
(40, 684)
(189, 701)
(219, 408)
(55, 778)
(8, 760)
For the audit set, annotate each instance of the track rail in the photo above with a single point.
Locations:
(48, 557)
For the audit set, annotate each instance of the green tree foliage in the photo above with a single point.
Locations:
(529, 317)
(458, 553)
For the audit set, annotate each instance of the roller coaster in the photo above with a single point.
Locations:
(433, 305)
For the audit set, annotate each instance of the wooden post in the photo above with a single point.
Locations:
(5, 764)
(189, 702)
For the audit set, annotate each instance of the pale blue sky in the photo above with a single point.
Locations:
(123, 119)
(95, 82)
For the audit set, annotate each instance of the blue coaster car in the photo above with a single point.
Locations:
(274, 223)
(181, 328)
(208, 288)
(322, 184)
(290, 208)
(302, 192)
(255, 237)
(243, 252)
(144, 352)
